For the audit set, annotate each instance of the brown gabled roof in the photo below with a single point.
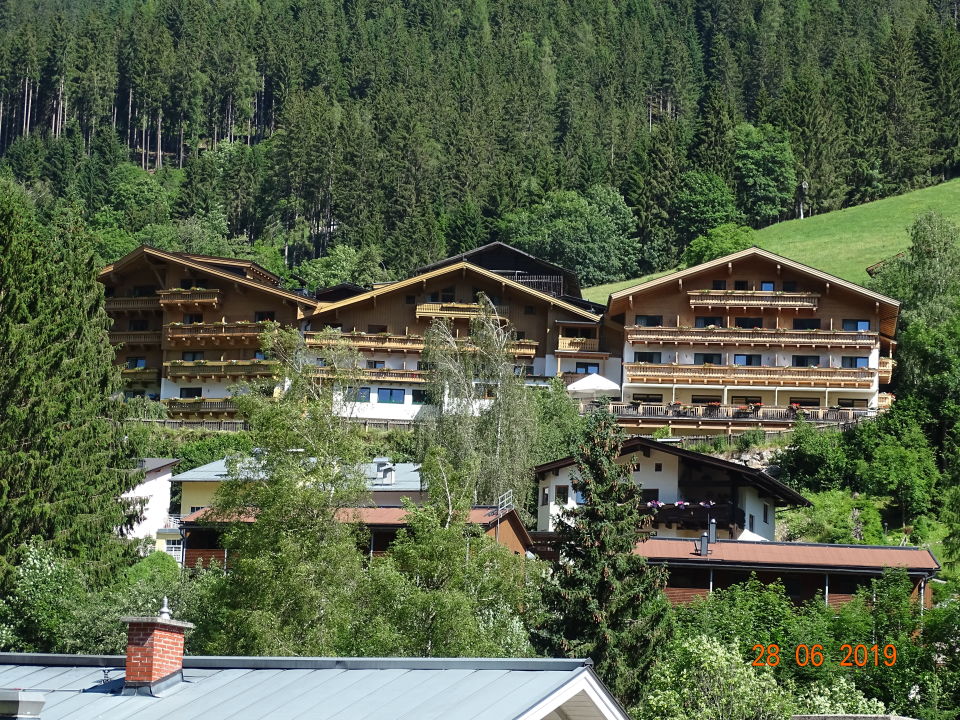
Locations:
(758, 478)
(203, 266)
(780, 555)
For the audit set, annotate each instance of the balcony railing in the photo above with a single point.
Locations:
(736, 413)
(403, 343)
(696, 516)
(576, 344)
(142, 375)
(221, 368)
(752, 298)
(886, 369)
(200, 405)
(122, 304)
(195, 297)
(199, 333)
(135, 338)
(884, 401)
(751, 375)
(456, 310)
(172, 522)
(366, 374)
(760, 336)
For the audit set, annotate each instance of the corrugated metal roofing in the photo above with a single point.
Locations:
(736, 552)
(296, 688)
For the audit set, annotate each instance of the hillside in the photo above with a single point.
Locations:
(844, 242)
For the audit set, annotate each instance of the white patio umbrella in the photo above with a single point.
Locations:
(594, 386)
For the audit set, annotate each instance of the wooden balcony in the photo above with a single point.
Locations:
(141, 375)
(398, 343)
(456, 310)
(132, 304)
(752, 299)
(213, 369)
(864, 378)
(577, 344)
(370, 374)
(201, 406)
(130, 339)
(201, 334)
(763, 337)
(697, 517)
(884, 401)
(886, 369)
(735, 414)
(179, 298)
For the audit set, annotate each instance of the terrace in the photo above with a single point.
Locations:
(766, 337)
(753, 299)
(864, 378)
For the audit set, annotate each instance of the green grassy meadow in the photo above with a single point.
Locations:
(844, 242)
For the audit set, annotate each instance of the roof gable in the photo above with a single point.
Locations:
(450, 270)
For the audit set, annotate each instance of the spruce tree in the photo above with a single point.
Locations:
(605, 602)
(61, 451)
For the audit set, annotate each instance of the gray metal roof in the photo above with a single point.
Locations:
(216, 688)
(406, 475)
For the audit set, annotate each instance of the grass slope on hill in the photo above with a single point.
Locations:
(844, 242)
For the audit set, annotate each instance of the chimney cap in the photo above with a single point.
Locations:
(163, 618)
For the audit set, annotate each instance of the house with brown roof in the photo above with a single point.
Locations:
(751, 339)
(187, 326)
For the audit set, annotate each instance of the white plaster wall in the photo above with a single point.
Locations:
(666, 481)
(155, 490)
(752, 504)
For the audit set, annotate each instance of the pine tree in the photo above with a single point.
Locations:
(605, 602)
(61, 451)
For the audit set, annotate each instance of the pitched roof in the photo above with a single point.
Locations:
(500, 247)
(889, 303)
(746, 554)
(756, 478)
(88, 687)
(205, 267)
(449, 270)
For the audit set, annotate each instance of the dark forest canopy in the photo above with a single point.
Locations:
(405, 130)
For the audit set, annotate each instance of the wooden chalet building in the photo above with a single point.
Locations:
(187, 326)
(750, 340)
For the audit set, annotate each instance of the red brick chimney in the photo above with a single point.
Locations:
(154, 649)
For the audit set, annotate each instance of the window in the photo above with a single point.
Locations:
(188, 283)
(806, 323)
(704, 358)
(647, 357)
(109, 292)
(174, 548)
(419, 397)
(805, 402)
(264, 316)
(704, 399)
(390, 396)
(852, 402)
(188, 393)
(789, 285)
(135, 363)
(746, 399)
(748, 360)
(424, 366)
(647, 398)
(358, 395)
(528, 310)
(750, 524)
(719, 284)
(192, 318)
(448, 295)
(658, 467)
(545, 497)
(130, 394)
(748, 322)
(856, 325)
(649, 320)
(587, 368)
(376, 364)
(562, 494)
(522, 370)
(144, 290)
(374, 329)
(191, 355)
(740, 285)
(195, 508)
(139, 324)
(521, 335)
(703, 321)
(259, 355)
(806, 361)
(766, 514)
(411, 299)
(649, 494)
(766, 286)
(849, 361)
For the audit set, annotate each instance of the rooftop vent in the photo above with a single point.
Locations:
(385, 473)
(20, 704)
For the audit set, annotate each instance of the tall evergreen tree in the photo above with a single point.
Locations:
(605, 602)
(61, 450)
